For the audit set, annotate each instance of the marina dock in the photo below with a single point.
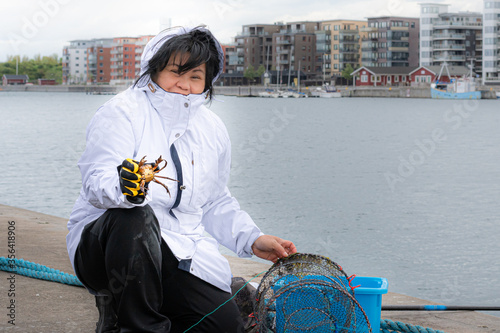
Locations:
(43, 306)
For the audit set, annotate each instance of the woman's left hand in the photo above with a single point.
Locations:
(272, 248)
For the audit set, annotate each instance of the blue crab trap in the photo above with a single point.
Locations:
(308, 293)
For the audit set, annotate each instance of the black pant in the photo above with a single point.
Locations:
(122, 255)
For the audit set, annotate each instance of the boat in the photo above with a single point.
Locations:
(458, 88)
(327, 91)
(269, 93)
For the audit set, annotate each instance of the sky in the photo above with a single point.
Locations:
(31, 27)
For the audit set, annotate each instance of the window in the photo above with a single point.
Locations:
(101, 50)
(100, 64)
(101, 58)
(404, 78)
(396, 78)
(364, 78)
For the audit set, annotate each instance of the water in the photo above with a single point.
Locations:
(405, 189)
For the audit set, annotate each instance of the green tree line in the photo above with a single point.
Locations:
(46, 67)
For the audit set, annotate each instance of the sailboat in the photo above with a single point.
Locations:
(457, 88)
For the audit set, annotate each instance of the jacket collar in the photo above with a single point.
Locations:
(166, 102)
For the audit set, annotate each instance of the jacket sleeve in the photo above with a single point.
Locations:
(110, 140)
(223, 217)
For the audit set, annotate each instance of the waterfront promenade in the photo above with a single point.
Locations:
(253, 91)
(49, 307)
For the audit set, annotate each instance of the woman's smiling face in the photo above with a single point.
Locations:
(190, 82)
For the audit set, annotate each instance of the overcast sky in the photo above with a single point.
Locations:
(30, 27)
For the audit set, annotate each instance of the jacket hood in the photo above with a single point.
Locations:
(155, 44)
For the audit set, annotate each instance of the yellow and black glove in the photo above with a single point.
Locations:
(130, 180)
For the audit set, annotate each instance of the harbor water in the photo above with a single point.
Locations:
(405, 189)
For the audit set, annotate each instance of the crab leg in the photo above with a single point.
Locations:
(165, 186)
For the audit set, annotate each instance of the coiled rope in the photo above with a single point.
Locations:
(29, 269)
(387, 326)
(33, 270)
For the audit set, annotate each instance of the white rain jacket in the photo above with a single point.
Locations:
(147, 121)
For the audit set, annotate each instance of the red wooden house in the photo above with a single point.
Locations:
(10, 79)
(382, 76)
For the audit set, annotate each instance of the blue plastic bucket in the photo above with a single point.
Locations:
(369, 296)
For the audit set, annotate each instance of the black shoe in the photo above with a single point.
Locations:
(108, 322)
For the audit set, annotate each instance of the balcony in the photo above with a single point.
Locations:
(283, 52)
(458, 25)
(349, 50)
(369, 59)
(283, 42)
(368, 29)
(455, 47)
(398, 49)
(369, 49)
(349, 31)
(399, 28)
(449, 58)
(349, 39)
(448, 36)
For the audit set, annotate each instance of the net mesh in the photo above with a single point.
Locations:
(307, 293)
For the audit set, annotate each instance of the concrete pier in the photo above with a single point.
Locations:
(49, 307)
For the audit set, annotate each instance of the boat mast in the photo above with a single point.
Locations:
(289, 67)
(298, 76)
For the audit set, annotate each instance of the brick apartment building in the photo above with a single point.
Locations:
(338, 43)
(391, 41)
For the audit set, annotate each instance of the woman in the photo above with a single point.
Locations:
(144, 255)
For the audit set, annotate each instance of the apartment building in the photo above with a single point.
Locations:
(105, 60)
(491, 42)
(429, 13)
(294, 48)
(457, 40)
(99, 61)
(74, 62)
(254, 46)
(126, 58)
(391, 41)
(338, 43)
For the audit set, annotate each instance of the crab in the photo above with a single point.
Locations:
(149, 172)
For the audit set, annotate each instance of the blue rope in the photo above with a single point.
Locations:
(29, 269)
(388, 326)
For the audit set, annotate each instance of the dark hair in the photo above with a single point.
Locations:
(201, 47)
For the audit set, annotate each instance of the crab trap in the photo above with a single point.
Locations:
(308, 293)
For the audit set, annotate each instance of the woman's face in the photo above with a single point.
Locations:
(190, 82)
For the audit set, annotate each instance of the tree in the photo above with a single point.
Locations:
(46, 67)
(260, 71)
(347, 71)
(249, 73)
